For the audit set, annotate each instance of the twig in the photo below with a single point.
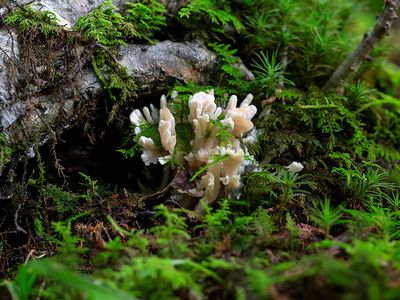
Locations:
(351, 64)
(285, 53)
(17, 226)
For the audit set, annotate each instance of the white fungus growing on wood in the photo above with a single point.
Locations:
(221, 162)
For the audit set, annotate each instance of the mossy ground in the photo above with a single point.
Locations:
(106, 227)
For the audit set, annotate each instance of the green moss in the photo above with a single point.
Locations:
(6, 151)
(230, 77)
(114, 78)
(30, 21)
(147, 17)
(106, 26)
(218, 12)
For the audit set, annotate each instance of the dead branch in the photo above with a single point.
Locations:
(351, 64)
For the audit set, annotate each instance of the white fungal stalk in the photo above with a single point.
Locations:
(166, 127)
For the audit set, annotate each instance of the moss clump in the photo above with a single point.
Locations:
(30, 22)
(6, 152)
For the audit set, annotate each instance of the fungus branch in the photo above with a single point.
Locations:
(351, 64)
(216, 157)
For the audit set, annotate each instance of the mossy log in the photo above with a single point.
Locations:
(33, 103)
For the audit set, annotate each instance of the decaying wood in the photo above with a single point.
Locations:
(30, 107)
(24, 115)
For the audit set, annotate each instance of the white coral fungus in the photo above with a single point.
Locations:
(295, 167)
(150, 116)
(242, 115)
(202, 105)
(150, 153)
(166, 127)
(223, 159)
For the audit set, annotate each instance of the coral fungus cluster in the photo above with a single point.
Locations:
(216, 157)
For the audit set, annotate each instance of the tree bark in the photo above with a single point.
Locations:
(28, 115)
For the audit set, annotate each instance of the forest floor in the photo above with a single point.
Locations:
(87, 219)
